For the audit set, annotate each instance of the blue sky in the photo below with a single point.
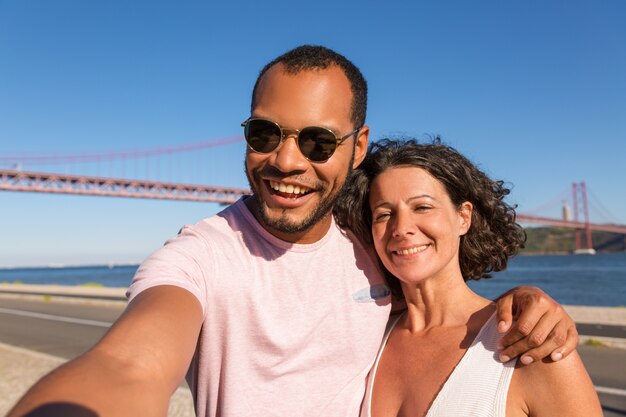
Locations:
(534, 92)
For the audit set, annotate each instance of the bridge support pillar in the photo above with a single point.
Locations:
(579, 199)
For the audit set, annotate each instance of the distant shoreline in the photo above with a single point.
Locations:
(48, 292)
(133, 264)
(61, 266)
(96, 290)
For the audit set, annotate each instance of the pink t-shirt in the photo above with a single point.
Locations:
(289, 329)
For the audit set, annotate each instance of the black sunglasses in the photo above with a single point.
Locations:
(317, 144)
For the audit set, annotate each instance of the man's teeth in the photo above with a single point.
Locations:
(411, 250)
(288, 188)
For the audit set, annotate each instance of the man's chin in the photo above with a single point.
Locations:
(285, 224)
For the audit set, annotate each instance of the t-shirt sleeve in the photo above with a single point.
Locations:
(183, 261)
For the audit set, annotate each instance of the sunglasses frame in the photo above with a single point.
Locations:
(286, 133)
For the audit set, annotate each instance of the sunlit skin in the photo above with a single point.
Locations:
(308, 98)
(416, 231)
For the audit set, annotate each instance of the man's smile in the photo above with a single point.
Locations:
(289, 190)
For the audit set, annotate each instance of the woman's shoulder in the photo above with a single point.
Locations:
(553, 388)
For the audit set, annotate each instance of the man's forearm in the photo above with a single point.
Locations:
(94, 385)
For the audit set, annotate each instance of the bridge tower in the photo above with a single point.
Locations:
(579, 199)
(566, 211)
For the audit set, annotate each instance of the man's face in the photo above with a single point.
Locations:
(293, 197)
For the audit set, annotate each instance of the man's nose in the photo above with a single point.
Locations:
(288, 157)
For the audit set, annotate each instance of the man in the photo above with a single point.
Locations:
(279, 311)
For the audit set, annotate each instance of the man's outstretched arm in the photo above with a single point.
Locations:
(536, 326)
(133, 370)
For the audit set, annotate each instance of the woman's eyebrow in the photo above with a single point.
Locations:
(417, 197)
(381, 204)
(410, 199)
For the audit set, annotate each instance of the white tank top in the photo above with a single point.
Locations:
(478, 385)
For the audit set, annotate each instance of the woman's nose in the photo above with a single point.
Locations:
(403, 224)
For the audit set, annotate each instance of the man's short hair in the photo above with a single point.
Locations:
(311, 57)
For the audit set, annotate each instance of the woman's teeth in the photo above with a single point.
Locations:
(411, 250)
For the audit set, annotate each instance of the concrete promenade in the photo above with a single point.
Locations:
(20, 368)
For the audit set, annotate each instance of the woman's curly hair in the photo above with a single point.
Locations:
(493, 236)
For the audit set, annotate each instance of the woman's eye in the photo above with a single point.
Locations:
(380, 216)
(422, 208)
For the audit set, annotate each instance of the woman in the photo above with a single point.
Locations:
(437, 221)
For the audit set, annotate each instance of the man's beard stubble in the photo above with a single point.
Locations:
(282, 224)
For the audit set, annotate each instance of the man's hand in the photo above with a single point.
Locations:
(538, 327)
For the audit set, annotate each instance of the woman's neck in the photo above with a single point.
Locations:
(440, 301)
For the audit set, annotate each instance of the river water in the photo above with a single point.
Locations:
(598, 280)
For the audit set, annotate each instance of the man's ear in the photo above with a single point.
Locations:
(360, 146)
(465, 217)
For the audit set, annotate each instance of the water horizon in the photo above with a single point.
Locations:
(598, 280)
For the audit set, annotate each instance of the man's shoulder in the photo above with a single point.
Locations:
(228, 220)
(223, 229)
(363, 251)
(359, 245)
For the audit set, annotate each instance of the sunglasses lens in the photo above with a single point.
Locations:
(262, 136)
(317, 144)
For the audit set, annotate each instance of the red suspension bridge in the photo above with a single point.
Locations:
(580, 206)
(105, 174)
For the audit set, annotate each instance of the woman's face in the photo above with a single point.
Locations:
(415, 226)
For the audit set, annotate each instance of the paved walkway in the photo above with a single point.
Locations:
(598, 315)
